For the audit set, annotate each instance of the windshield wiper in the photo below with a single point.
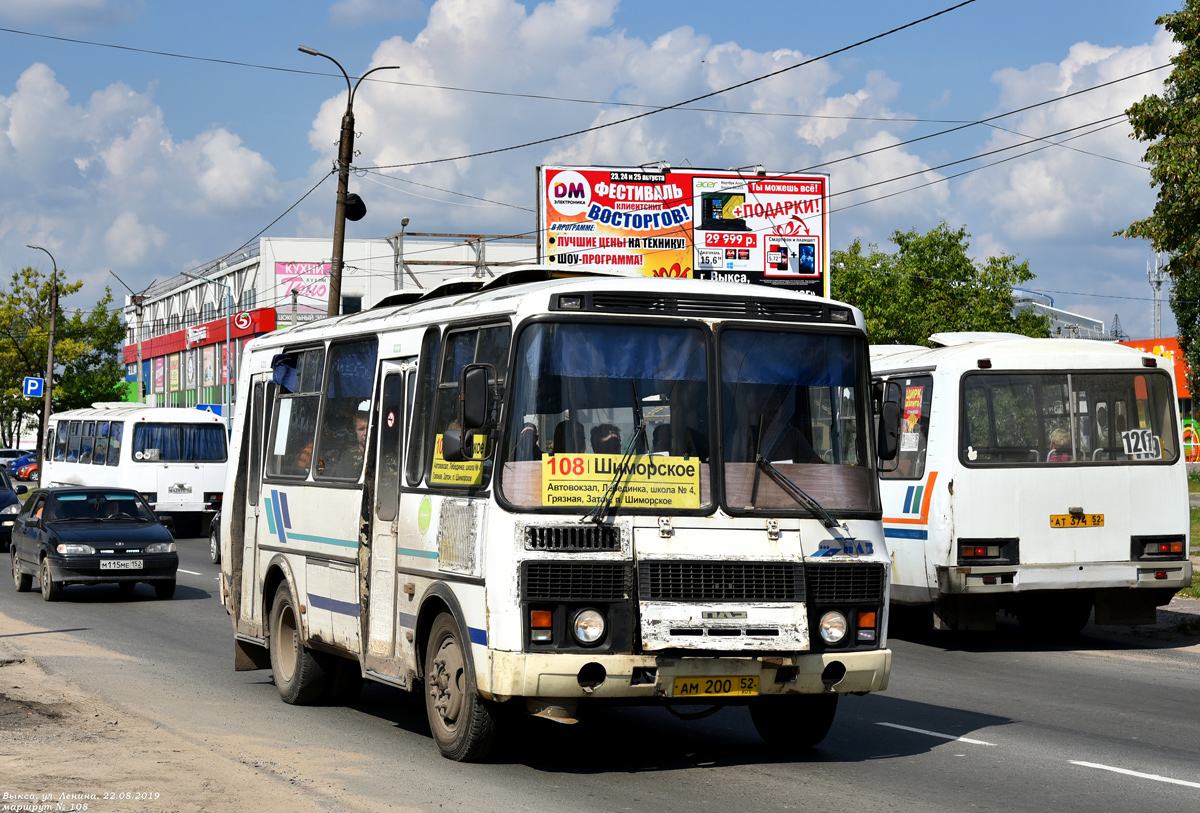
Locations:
(601, 509)
(795, 492)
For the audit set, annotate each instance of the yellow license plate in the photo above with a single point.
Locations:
(714, 686)
(1077, 520)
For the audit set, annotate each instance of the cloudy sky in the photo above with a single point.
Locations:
(147, 164)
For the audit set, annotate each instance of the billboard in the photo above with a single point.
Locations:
(732, 226)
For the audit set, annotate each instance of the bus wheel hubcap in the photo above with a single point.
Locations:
(445, 681)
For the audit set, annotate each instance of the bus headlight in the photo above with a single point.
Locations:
(588, 627)
(833, 627)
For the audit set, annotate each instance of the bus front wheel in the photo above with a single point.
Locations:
(299, 674)
(463, 725)
(794, 722)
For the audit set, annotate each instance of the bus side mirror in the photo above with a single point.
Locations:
(452, 446)
(888, 441)
(475, 396)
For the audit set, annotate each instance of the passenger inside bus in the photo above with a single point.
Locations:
(527, 447)
(606, 439)
(569, 437)
(1060, 446)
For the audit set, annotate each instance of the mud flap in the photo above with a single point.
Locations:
(248, 657)
(1127, 606)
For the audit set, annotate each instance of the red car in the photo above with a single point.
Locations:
(27, 472)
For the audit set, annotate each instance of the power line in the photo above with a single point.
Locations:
(678, 105)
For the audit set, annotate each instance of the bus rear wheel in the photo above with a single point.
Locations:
(299, 675)
(794, 722)
(462, 723)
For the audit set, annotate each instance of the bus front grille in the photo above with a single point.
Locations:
(842, 582)
(720, 581)
(575, 581)
(573, 538)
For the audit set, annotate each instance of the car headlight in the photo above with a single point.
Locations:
(833, 627)
(15, 508)
(588, 627)
(68, 549)
(160, 547)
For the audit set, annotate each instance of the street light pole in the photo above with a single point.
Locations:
(137, 300)
(345, 155)
(45, 429)
(228, 408)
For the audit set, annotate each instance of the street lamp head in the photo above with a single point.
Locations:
(304, 49)
(403, 222)
(31, 245)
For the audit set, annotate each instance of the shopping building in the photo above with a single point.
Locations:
(189, 330)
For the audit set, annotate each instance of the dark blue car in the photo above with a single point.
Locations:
(10, 506)
(91, 535)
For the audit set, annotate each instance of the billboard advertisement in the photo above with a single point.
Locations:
(757, 228)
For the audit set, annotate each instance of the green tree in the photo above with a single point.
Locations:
(87, 343)
(1170, 123)
(931, 285)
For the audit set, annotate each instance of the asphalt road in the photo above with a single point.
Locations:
(985, 722)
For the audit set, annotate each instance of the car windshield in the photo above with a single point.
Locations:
(794, 409)
(602, 408)
(96, 506)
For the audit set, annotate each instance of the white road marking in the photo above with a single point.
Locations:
(1138, 774)
(190, 572)
(936, 734)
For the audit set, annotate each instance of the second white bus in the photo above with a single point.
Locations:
(174, 457)
(1040, 477)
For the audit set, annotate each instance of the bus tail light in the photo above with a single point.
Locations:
(1158, 548)
(988, 551)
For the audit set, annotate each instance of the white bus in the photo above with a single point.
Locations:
(577, 489)
(1040, 477)
(174, 457)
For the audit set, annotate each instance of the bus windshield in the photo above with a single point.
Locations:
(580, 396)
(1038, 419)
(798, 402)
(179, 443)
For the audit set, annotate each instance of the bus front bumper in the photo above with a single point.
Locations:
(975, 579)
(631, 677)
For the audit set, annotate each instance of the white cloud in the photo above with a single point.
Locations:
(129, 241)
(358, 12)
(108, 183)
(70, 15)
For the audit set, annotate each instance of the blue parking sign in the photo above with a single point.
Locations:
(34, 387)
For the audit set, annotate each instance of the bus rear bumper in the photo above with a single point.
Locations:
(650, 677)
(1173, 575)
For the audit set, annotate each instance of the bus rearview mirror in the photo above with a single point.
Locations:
(476, 397)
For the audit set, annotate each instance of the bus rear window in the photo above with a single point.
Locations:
(179, 443)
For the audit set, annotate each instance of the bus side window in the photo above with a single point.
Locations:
(294, 417)
(347, 399)
(73, 444)
(391, 430)
(916, 397)
(115, 434)
(254, 474)
(100, 452)
(488, 345)
(419, 439)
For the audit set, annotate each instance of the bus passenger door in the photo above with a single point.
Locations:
(390, 417)
(250, 610)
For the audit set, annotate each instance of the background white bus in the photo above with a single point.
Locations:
(1041, 477)
(174, 457)
(531, 573)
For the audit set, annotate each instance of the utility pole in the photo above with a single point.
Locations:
(44, 445)
(1157, 276)
(137, 300)
(345, 155)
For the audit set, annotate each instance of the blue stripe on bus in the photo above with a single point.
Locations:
(287, 519)
(407, 621)
(423, 554)
(908, 500)
(478, 636)
(279, 531)
(905, 533)
(333, 605)
(326, 540)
